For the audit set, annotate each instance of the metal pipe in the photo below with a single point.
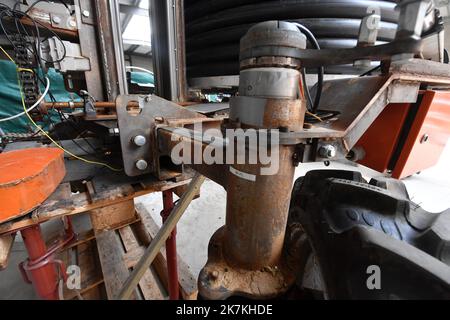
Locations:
(171, 248)
(110, 44)
(44, 277)
(73, 105)
(151, 252)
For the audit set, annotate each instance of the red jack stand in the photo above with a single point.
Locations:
(41, 269)
(171, 248)
(28, 178)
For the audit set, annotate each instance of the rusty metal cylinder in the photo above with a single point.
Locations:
(257, 213)
(258, 193)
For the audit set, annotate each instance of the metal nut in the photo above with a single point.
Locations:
(72, 23)
(86, 13)
(328, 151)
(139, 140)
(141, 164)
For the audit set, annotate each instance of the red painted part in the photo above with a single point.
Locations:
(27, 178)
(41, 265)
(171, 248)
(433, 122)
(381, 140)
(44, 278)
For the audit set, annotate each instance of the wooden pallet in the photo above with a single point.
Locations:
(83, 253)
(121, 249)
(106, 258)
(102, 191)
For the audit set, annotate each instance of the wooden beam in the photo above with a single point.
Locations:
(115, 273)
(114, 216)
(6, 243)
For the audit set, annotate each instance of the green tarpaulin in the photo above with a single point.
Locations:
(10, 101)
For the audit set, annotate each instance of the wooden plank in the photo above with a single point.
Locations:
(114, 216)
(82, 237)
(132, 257)
(90, 271)
(128, 238)
(95, 293)
(148, 283)
(115, 273)
(86, 292)
(188, 282)
(6, 243)
(159, 264)
(80, 203)
(83, 255)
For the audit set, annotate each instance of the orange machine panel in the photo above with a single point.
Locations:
(427, 137)
(408, 146)
(380, 140)
(27, 178)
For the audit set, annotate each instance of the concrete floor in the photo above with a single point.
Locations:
(430, 189)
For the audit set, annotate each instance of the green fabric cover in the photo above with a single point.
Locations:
(10, 102)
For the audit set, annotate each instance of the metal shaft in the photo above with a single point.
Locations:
(171, 248)
(44, 278)
(257, 214)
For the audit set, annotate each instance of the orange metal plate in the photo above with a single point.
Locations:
(433, 120)
(27, 178)
(380, 140)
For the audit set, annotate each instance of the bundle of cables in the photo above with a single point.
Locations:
(313, 114)
(30, 39)
(22, 38)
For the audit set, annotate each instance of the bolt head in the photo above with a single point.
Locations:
(139, 140)
(86, 13)
(56, 19)
(141, 164)
(72, 23)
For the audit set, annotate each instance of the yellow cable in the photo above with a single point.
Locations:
(315, 116)
(41, 130)
(6, 54)
(25, 69)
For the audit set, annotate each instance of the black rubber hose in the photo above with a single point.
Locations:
(320, 71)
(307, 93)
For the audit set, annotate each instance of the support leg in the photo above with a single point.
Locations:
(44, 277)
(171, 248)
